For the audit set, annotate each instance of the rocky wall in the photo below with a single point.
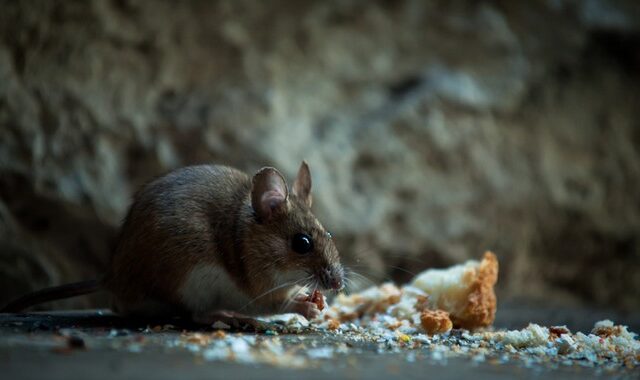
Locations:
(434, 129)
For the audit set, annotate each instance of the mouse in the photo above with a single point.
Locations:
(213, 243)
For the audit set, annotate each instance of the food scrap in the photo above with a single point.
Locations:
(435, 321)
(465, 291)
(317, 298)
(440, 315)
(436, 301)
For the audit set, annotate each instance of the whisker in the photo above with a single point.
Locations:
(406, 257)
(378, 275)
(403, 257)
(359, 277)
(271, 291)
(291, 299)
(348, 283)
(302, 288)
(402, 270)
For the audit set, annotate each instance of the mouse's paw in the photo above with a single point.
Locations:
(303, 306)
(230, 318)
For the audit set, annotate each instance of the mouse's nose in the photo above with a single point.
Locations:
(331, 278)
(336, 283)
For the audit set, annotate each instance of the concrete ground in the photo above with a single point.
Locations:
(33, 346)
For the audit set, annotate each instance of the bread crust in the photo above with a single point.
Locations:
(481, 305)
(435, 321)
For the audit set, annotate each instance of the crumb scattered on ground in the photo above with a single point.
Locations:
(382, 319)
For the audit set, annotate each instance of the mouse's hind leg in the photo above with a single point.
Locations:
(230, 318)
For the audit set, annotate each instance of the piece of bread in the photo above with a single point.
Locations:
(368, 302)
(435, 321)
(465, 291)
(438, 299)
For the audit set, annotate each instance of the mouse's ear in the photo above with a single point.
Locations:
(302, 184)
(269, 193)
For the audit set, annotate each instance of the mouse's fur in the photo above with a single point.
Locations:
(207, 238)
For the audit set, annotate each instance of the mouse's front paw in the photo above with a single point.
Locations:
(303, 306)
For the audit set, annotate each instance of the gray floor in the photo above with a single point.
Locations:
(27, 351)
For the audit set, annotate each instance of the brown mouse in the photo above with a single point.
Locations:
(211, 242)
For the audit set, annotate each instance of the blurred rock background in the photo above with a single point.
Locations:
(434, 130)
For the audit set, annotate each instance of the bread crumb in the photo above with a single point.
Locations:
(532, 336)
(333, 324)
(435, 321)
(557, 331)
(606, 328)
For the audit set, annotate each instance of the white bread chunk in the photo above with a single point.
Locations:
(465, 291)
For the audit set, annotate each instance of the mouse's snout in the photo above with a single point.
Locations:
(332, 278)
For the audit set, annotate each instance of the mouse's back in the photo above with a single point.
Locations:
(174, 223)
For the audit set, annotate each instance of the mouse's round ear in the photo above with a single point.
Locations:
(269, 193)
(302, 184)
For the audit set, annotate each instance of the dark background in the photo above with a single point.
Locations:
(434, 130)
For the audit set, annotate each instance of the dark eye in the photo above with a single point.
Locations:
(302, 243)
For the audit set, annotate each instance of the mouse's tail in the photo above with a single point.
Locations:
(52, 294)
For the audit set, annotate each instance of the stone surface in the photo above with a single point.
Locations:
(434, 130)
(37, 346)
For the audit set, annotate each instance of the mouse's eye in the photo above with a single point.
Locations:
(302, 243)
